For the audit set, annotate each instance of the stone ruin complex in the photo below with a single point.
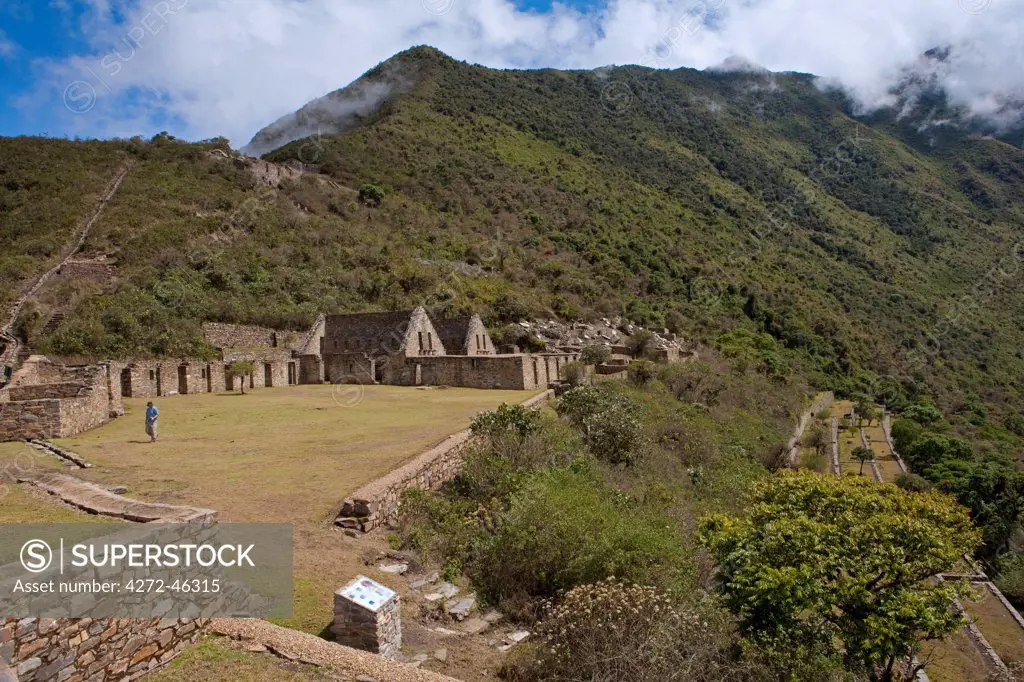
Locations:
(47, 399)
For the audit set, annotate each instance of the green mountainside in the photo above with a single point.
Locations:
(708, 202)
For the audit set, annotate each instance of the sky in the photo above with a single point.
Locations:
(206, 68)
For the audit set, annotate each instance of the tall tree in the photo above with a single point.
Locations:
(840, 567)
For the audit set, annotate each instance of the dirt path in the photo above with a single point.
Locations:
(13, 345)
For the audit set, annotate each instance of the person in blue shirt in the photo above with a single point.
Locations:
(151, 416)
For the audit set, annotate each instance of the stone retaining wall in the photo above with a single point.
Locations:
(377, 503)
(103, 650)
(78, 649)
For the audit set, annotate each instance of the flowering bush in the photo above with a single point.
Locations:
(612, 630)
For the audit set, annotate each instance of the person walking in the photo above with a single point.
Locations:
(151, 416)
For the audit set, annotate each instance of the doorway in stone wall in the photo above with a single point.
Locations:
(292, 379)
(209, 379)
(159, 383)
(126, 382)
(182, 379)
(378, 372)
(268, 374)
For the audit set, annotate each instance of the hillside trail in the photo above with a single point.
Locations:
(10, 355)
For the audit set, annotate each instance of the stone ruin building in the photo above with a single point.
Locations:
(47, 399)
(409, 348)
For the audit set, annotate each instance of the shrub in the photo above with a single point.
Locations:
(575, 374)
(609, 422)
(1011, 578)
(926, 415)
(693, 382)
(565, 528)
(642, 371)
(641, 343)
(371, 195)
(612, 630)
(904, 434)
(596, 354)
(514, 419)
(914, 483)
(932, 449)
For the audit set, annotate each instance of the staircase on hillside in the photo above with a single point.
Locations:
(55, 321)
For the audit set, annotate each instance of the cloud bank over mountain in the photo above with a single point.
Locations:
(201, 68)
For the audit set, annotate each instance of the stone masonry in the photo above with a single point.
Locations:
(78, 649)
(377, 630)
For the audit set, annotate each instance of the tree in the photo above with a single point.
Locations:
(575, 374)
(641, 343)
(372, 195)
(863, 455)
(841, 566)
(609, 422)
(931, 449)
(241, 369)
(926, 415)
(866, 411)
(596, 354)
(642, 371)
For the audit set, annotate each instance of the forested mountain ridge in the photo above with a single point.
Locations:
(707, 201)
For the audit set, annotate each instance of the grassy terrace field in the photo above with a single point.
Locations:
(997, 625)
(887, 464)
(284, 455)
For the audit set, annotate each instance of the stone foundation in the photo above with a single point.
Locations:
(377, 630)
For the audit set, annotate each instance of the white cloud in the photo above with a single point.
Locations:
(7, 46)
(210, 67)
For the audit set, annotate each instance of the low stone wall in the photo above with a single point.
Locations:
(59, 410)
(835, 448)
(85, 649)
(106, 650)
(378, 503)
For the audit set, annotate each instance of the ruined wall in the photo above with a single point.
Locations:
(513, 372)
(41, 391)
(378, 502)
(479, 341)
(220, 335)
(83, 648)
(348, 368)
(29, 419)
(311, 369)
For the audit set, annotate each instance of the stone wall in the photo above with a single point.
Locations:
(220, 335)
(311, 369)
(510, 372)
(59, 410)
(29, 419)
(378, 503)
(76, 649)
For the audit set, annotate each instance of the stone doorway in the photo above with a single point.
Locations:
(183, 379)
(268, 374)
(126, 382)
(292, 380)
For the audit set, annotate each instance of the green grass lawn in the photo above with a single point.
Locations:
(283, 455)
(997, 625)
(280, 455)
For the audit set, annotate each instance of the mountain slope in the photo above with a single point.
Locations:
(706, 201)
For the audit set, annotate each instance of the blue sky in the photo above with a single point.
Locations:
(200, 68)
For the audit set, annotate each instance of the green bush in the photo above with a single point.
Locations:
(514, 419)
(372, 195)
(1011, 578)
(914, 483)
(565, 528)
(596, 354)
(575, 374)
(609, 422)
(642, 371)
(612, 630)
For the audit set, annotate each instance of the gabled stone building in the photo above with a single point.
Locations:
(465, 335)
(374, 347)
